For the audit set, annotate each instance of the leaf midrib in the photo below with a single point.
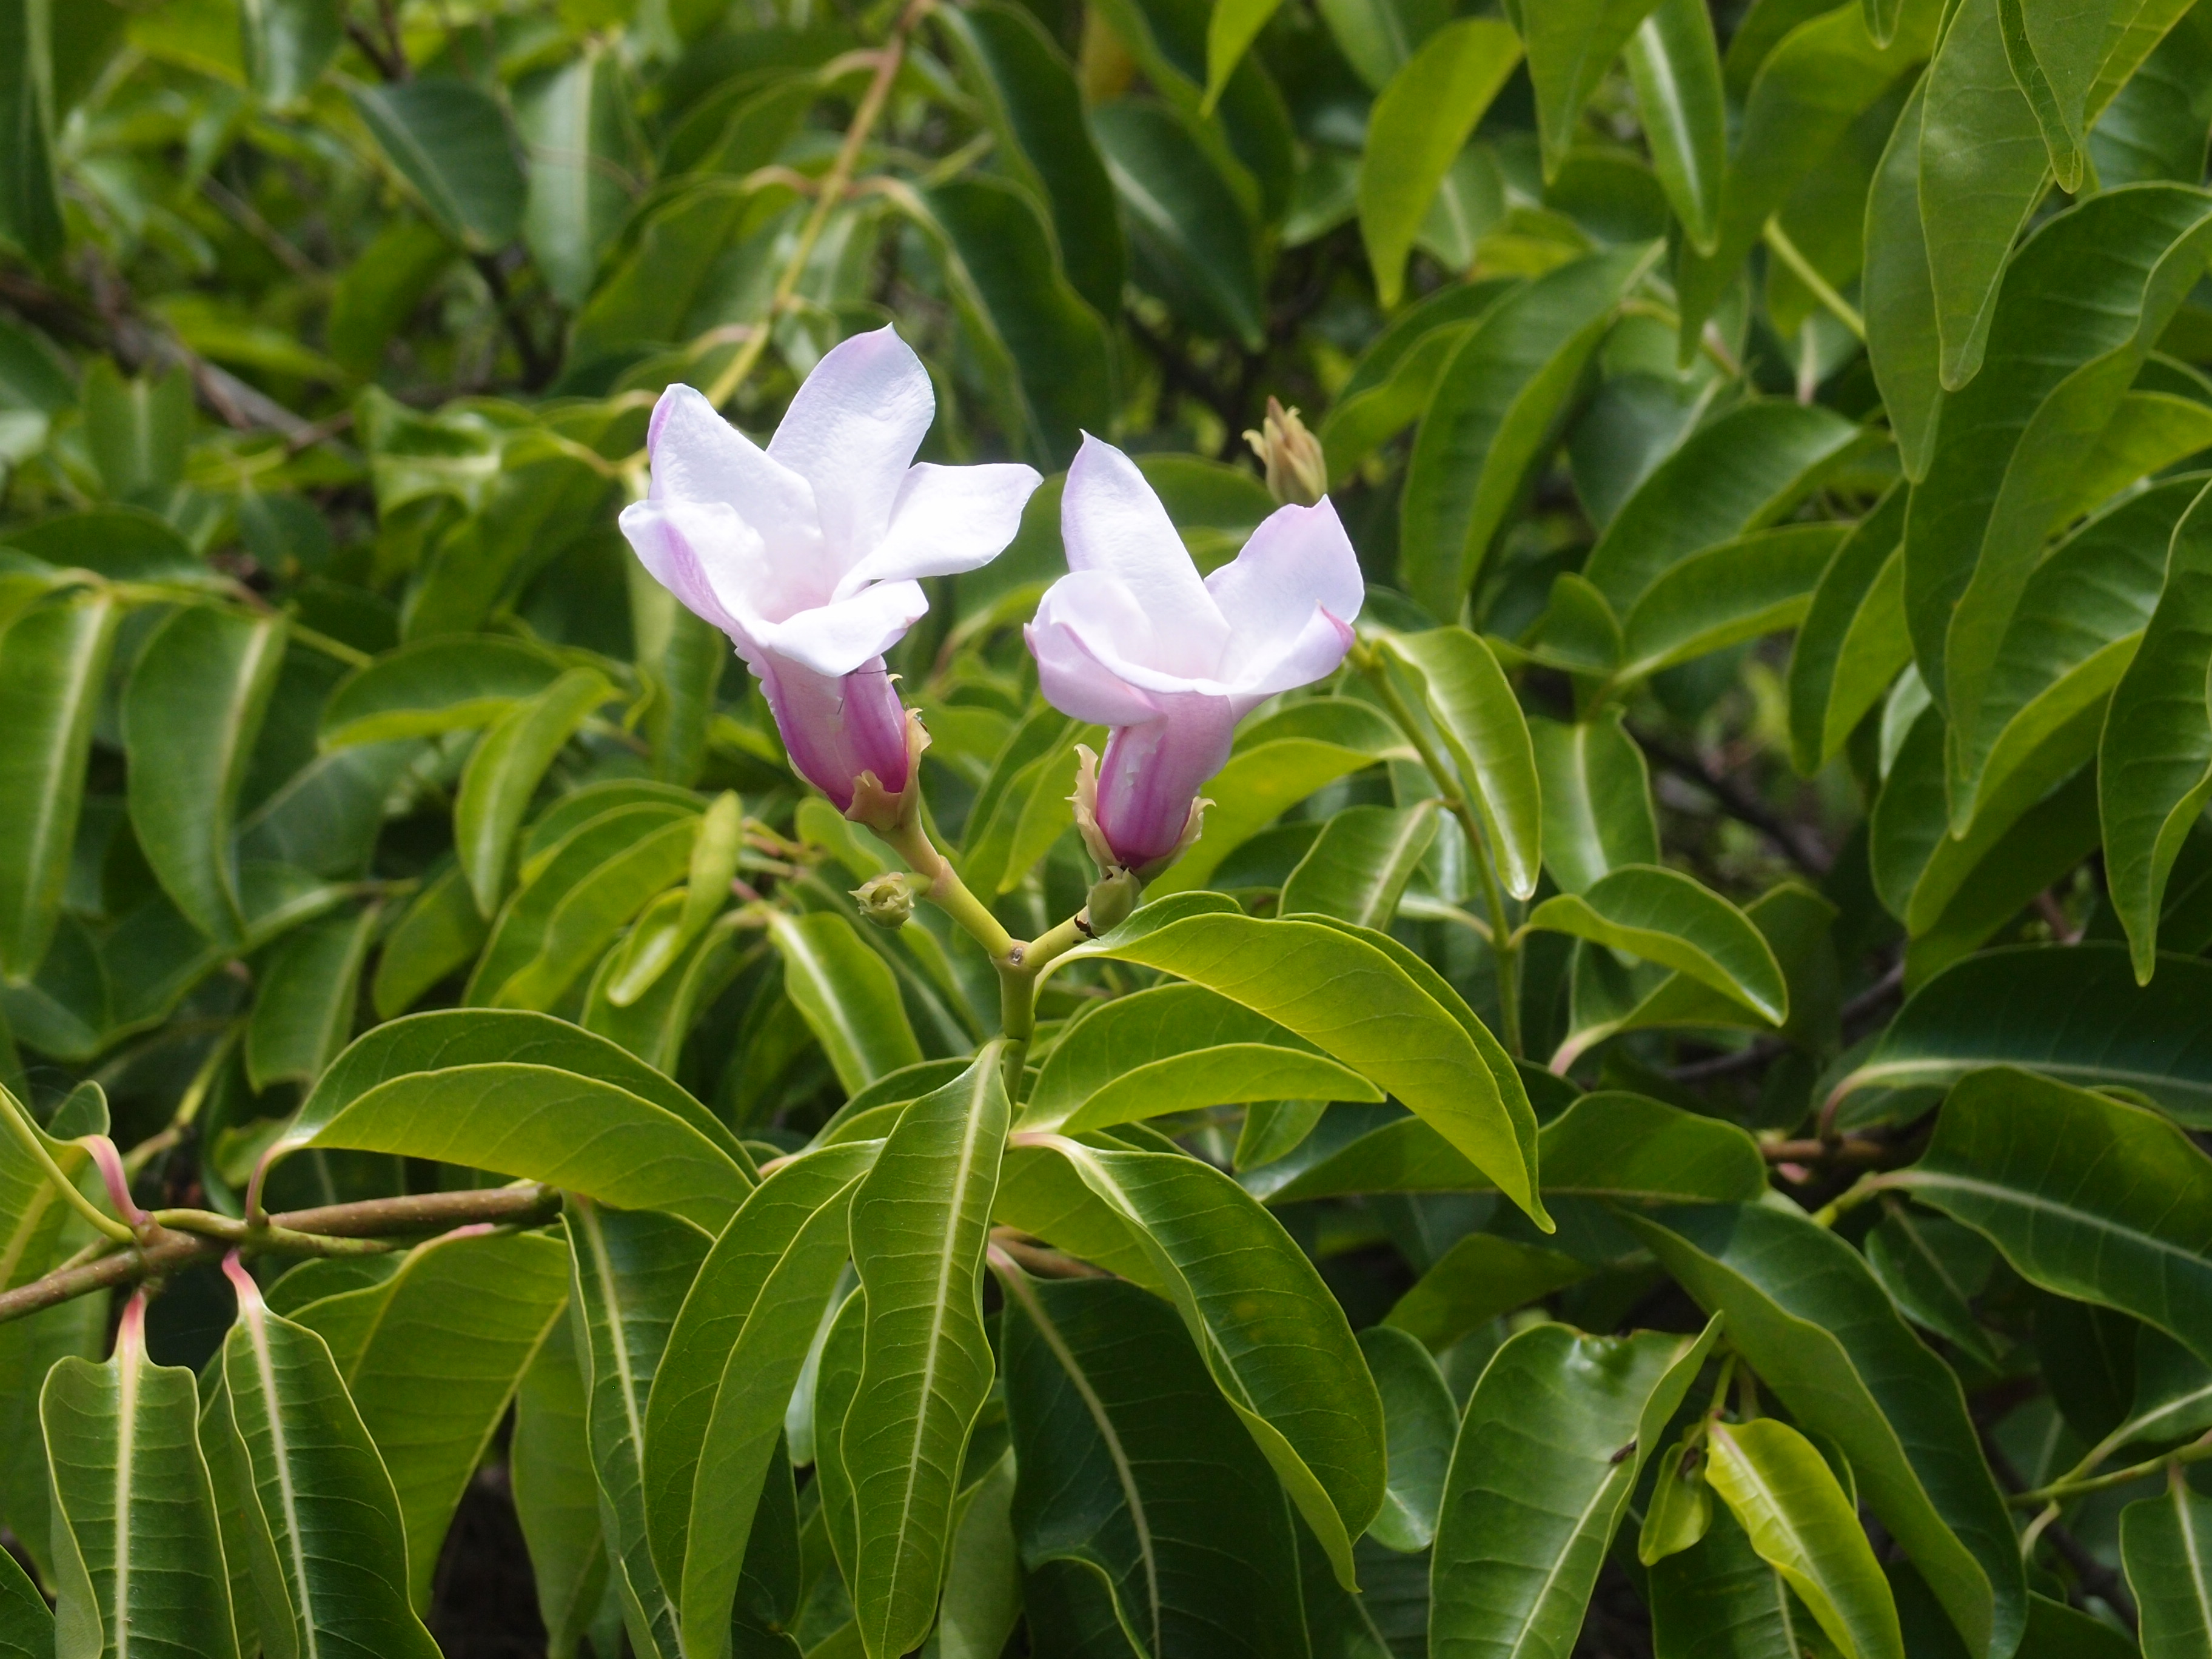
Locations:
(256, 1328)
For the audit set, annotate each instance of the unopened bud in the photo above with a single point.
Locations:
(1112, 898)
(885, 900)
(1298, 472)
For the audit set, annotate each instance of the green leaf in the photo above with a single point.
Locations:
(1377, 36)
(436, 936)
(1271, 1333)
(1420, 1420)
(847, 996)
(572, 908)
(654, 1026)
(138, 1554)
(434, 686)
(1395, 377)
(1904, 348)
(1570, 47)
(1597, 800)
(1718, 1599)
(309, 986)
(504, 772)
(1681, 1508)
(1742, 471)
(1757, 584)
(1547, 1459)
(191, 713)
(1232, 27)
(53, 661)
(919, 1222)
(2086, 1195)
(2147, 130)
(1142, 1509)
(1806, 1314)
(556, 1493)
(630, 1273)
(1415, 131)
(380, 290)
(1675, 66)
(1932, 1268)
(328, 1550)
(1035, 105)
(26, 1624)
(1192, 238)
(727, 1375)
(1480, 1278)
(30, 198)
(137, 430)
(1358, 865)
(1791, 1507)
(1498, 404)
(448, 138)
(432, 1357)
(1466, 695)
(575, 122)
(2165, 1545)
(288, 46)
(1346, 993)
(1664, 916)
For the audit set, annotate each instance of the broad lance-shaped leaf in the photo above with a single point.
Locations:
(1806, 1314)
(1362, 998)
(52, 668)
(1358, 868)
(26, 1624)
(1597, 800)
(557, 1492)
(1853, 638)
(1420, 1420)
(1416, 127)
(1271, 1334)
(2165, 1545)
(1668, 918)
(191, 713)
(138, 1552)
(848, 997)
(630, 1272)
(1175, 1047)
(1570, 46)
(504, 772)
(2086, 1195)
(1480, 1278)
(726, 1375)
(1466, 694)
(435, 685)
(1139, 1502)
(1799, 1520)
(919, 1222)
(1718, 1599)
(1547, 1459)
(2009, 445)
(1675, 66)
(329, 1553)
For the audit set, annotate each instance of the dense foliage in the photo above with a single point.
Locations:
(1659, 1114)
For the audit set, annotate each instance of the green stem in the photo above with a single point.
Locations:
(2196, 1452)
(35, 1143)
(1505, 949)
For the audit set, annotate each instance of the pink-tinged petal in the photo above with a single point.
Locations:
(836, 727)
(697, 456)
(1151, 773)
(837, 638)
(1312, 656)
(947, 519)
(1112, 522)
(851, 432)
(671, 557)
(1086, 624)
(1299, 560)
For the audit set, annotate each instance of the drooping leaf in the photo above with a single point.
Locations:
(1421, 1419)
(2165, 1545)
(448, 139)
(847, 996)
(305, 1013)
(1358, 865)
(1665, 917)
(575, 122)
(556, 1493)
(288, 45)
(1191, 236)
(1719, 1599)
(1597, 800)
(1480, 1278)
(1675, 66)
(504, 772)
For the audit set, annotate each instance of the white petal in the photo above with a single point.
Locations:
(1299, 559)
(1312, 655)
(838, 637)
(697, 456)
(676, 559)
(1112, 522)
(947, 519)
(1072, 640)
(851, 432)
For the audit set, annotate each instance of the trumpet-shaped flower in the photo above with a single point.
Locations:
(1132, 638)
(807, 554)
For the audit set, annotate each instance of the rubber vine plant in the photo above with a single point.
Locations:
(735, 881)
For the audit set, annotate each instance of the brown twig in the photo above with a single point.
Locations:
(1042, 1259)
(1797, 843)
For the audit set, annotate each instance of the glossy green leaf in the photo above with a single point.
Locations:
(574, 123)
(556, 1493)
(568, 914)
(1904, 349)
(30, 199)
(448, 139)
(1718, 1599)
(847, 996)
(1546, 1462)
(2165, 1545)
(432, 686)
(1396, 376)
(305, 1013)
(1681, 1512)
(1465, 692)
(1757, 584)
(1570, 47)
(288, 45)
(2086, 1195)
(137, 1555)
(1806, 1314)
(504, 772)
(1665, 917)
(1348, 993)
(194, 705)
(1358, 865)
(1932, 1268)
(1480, 1278)
(1140, 1506)
(136, 429)
(1420, 1420)
(655, 1025)
(27, 1623)
(1232, 27)
(1597, 801)
(920, 1218)
(328, 1552)
(1791, 1507)
(1191, 237)
(53, 660)
(1416, 127)
(1497, 402)
(1675, 66)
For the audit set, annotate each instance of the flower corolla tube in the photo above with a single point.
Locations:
(1132, 638)
(808, 553)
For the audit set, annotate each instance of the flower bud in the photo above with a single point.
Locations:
(885, 900)
(1112, 898)
(1298, 472)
